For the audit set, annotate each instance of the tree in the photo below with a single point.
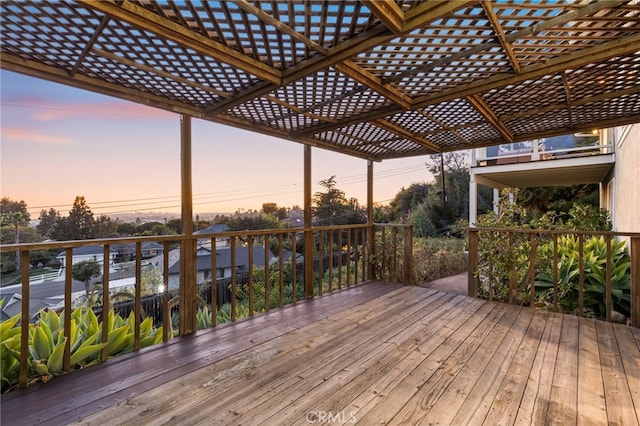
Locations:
(15, 214)
(407, 199)
(84, 271)
(48, 219)
(104, 227)
(273, 209)
(333, 208)
(80, 220)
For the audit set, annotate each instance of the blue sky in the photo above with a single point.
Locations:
(58, 142)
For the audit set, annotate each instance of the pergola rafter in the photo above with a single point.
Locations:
(311, 70)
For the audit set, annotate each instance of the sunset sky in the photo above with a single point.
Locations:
(59, 142)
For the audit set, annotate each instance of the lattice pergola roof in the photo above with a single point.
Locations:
(373, 79)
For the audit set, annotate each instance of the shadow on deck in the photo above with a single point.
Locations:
(377, 352)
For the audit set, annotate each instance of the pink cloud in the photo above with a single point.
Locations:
(32, 136)
(47, 109)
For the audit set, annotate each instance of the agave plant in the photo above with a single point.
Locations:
(594, 267)
(47, 342)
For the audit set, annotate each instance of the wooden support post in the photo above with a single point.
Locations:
(371, 228)
(635, 282)
(308, 232)
(187, 247)
(472, 289)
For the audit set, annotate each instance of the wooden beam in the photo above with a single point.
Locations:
(164, 74)
(361, 118)
(58, 75)
(506, 46)
(270, 20)
(388, 12)
(405, 134)
(572, 103)
(485, 110)
(357, 73)
(508, 38)
(89, 46)
(142, 18)
(594, 54)
(427, 12)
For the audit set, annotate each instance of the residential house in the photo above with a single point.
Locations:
(606, 157)
(87, 253)
(148, 249)
(223, 263)
(222, 241)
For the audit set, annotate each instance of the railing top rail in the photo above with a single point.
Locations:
(95, 242)
(555, 231)
(393, 225)
(49, 245)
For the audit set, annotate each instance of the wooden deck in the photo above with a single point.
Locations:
(374, 354)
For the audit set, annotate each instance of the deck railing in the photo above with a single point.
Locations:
(587, 273)
(342, 256)
(536, 150)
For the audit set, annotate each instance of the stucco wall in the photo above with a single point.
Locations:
(626, 197)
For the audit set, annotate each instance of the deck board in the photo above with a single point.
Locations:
(373, 354)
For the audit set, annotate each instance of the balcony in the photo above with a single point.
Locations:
(561, 160)
(361, 347)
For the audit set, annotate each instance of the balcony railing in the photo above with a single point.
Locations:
(155, 304)
(562, 147)
(587, 273)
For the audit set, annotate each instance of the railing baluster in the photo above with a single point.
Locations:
(555, 272)
(320, 254)
(138, 296)
(233, 278)
(281, 268)
(106, 266)
(250, 249)
(608, 278)
(635, 281)
(267, 280)
(355, 255)
(532, 269)
(394, 250)
(330, 261)
(472, 281)
(512, 271)
(166, 310)
(214, 282)
(68, 288)
(340, 255)
(349, 248)
(294, 286)
(408, 255)
(581, 275)
(25, 317)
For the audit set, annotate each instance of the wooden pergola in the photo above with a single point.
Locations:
(372, 79)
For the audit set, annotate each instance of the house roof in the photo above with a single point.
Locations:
(220, 227)
(372, 79)
(223, 259)
(88, 251)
